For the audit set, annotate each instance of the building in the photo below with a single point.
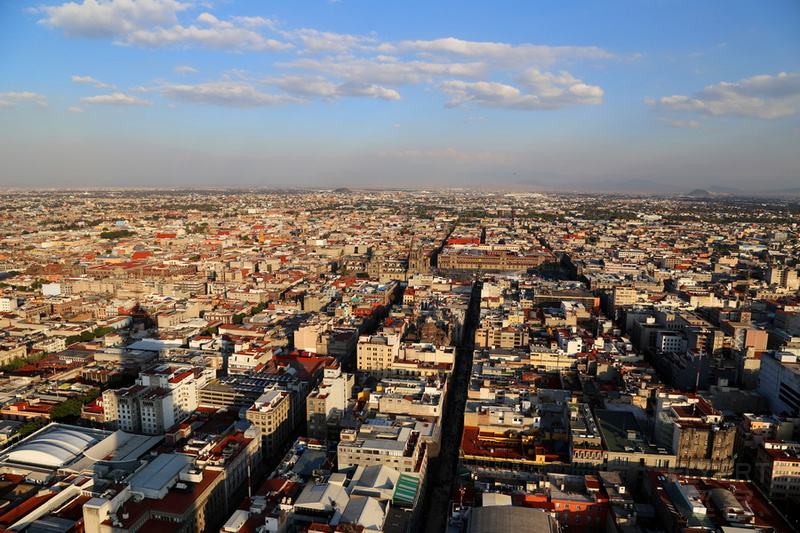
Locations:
(702, 447)
(778, 469)
(586, 449)
(399, 446)
(780, 382)
(783, 277)
(510, 518)
(333, 393)
(169, 492)
(140, 409)
(8, 304)
(625, 447)
(376, 353)
(620, 296)
(271, 413)
(162, 397)
(710, 504)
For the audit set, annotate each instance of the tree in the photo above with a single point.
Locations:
(71, 409)
(209, 331)
(100, 332)
(19, 362)
(31, 426)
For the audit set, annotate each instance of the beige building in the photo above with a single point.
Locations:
(498, 336)
(411, 397)
(332, 393)
(620, 296)
(376, 353)
(271, 413)
(700, 446)
(778, 469)
(397, 446)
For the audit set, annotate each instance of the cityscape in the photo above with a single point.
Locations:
(445, 360)
(347, 266)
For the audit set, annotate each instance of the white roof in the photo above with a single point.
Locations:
(493, 499)
(156, 478)
(121, 447)
(366, 512)
(53, 448)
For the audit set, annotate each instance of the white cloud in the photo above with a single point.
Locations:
(211, 20)
(305, 85)
(224, 93)
(118, 99)
(110, 18)
(154, 24)
(352, 88)
(220, 38)
(76, 109)
(765, 97)
(448, 154)
(94, 81)
(398, 126)
(185, 69)
(315, 41)
(502, 55)
(254, 21)
(388, 73)
(84, 79)
(545, 91)
(11, 99)
(328, 90)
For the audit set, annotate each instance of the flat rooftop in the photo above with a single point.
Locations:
(621, 433)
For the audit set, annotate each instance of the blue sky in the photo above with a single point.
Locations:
(407, 94)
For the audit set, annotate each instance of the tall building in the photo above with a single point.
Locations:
(778, 469)
(620, 296)
(418, 261)
(783, 277)
(376, 353)
(780, 382)
(271, 413)
(161, 398)
(8, 304)
(333, 393)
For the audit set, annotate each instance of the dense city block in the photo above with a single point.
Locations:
(335, 360)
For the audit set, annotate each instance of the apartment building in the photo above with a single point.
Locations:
(162, 397)
(395, 445)
(333, 392)
(376, 353)
(271, 413)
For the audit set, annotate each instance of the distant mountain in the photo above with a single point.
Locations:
(551, 181)
(700, 192)
(733, 191)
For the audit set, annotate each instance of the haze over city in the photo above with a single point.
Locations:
(666, 95)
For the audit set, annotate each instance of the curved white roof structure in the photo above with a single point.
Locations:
(53, 448)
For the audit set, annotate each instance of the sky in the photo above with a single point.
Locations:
(378, 93)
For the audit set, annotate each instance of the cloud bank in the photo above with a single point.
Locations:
(765, 97)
